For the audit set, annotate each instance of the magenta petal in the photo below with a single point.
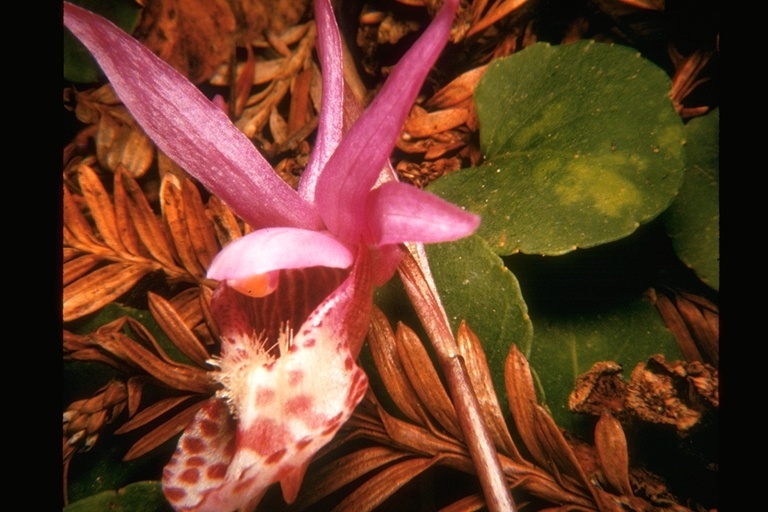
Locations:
(332, 103)
(272, 249)
(188, 127)
(402, 213)
(362, 154)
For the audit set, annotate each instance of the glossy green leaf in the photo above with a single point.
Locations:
(582, 145)
(102, 469)
(137, 497)
(79, 65)
(567, 345)
(475, 286)
(693, 220)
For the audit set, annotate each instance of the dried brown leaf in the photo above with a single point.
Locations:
(425, 380)
(675, 323)
(200, 229)
(421, 123)
(95, 355)
(384, 351)
(100, 207)
(300, 112)
(100, 287)
(211, 329)
(187, 306)
(163, 432)
(278, 126)
(654, 5)
(224, 221)
(384, 484)
(175, 215)
(174, 326)
(611, 445)
(255, 117)
(175, 376)
(675, 394)
(419, 440)
(706, 338)
(561, 461)
(135, 386)
(193, 36)
(123, 218)
(78, 267)
(77, 230)
(538, 430)
(600, 389)
(460, 90)
(480, 378)
(522, 401)
(342, 471)
(151, 413)
(146, 223)
(468, 504)
(121, 144)
(482, 19)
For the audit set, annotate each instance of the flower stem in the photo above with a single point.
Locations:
(418, 284)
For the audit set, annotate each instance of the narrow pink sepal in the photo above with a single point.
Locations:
(273, 249)
(331, 120)
(355, 166)
(188, 127)
(398, 212)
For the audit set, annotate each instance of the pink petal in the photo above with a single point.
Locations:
(332, 102)
(361, 155)
(386, 259)
(188, 127)
(273, 249)
(402, 213)
(287, 408)
(193, 478)
(298, 293)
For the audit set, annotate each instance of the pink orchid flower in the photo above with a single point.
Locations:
(312, 261)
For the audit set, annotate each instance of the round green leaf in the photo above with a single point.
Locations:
(693, 220)
(567, 345)
(475, 286)
(581, 145)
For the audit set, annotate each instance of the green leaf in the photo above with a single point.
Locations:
(475, 285)
(102, 469)
(567, 345)
(581, 145)
(137, 497)
(693, 220)
(79, 65)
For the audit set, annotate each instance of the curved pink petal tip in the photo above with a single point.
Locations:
(403, 213)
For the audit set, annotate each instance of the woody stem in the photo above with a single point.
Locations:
(432, 315)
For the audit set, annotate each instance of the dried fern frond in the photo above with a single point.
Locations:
(112, 241)
(547, 468)
(142, 360)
